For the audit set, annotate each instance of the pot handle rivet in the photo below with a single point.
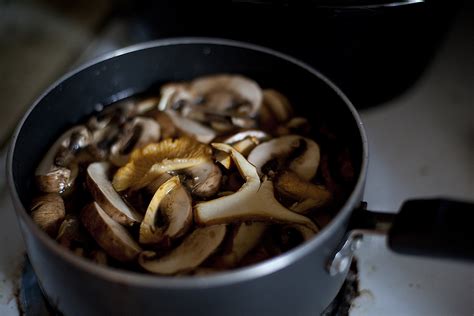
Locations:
(341, 260)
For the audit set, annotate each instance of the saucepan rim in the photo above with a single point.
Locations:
(221, 279)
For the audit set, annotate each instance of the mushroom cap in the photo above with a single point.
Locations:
(110, 235)
(305, 165)
(51, 178)
(151, 161)
(170, 204)
(222, 84)
(205, 179)
(103, 192)
(192, 128)
(48, 212)
(194, 249)
(139, 132)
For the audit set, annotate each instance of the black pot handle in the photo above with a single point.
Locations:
(426, 227)
(435, 227)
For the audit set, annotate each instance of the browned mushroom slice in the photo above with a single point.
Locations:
(305, 164)
(70, 231)
(222, 93)
(48, 212)
(203, 180)
(140, 131)
(246, 238)
(54, 174)
(166, 125)
(101, 189)
(110, 235)
(278, 105)
(192, 128)
(170, 205)
(289, 184)
(253, 201)
(194, 249)
(149, 162)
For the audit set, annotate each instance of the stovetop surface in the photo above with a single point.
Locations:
(421, 145)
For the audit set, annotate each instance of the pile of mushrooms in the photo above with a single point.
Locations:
(190, 182)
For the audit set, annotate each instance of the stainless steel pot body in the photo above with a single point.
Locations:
(295, 283)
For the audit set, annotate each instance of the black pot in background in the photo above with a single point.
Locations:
(373, 50)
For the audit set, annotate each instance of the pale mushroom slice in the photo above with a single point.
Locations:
(243, 142)
(148, 163)
(173, 93)
(311, 195)
(253, 201)
(223, 91)
(110, 235)
(104, 194)
(140, 131)
(194, 249)
(283, 148)
(192, 128)
(55, 173)
(48, 212)
(246, 237)
(170, 205)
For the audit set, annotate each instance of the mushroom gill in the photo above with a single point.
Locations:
(155, 159)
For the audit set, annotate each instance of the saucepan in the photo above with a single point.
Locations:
(302, 281)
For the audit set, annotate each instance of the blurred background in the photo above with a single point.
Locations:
(373, 49)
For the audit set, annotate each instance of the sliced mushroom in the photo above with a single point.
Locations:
(115, 114)
(203, 180)
(168, 129)
(101, 189)
(146, 105)
(282, 149)
(246, 238)
(174, 93)
(102, 140)
(194, 249)
(48, 212)
(99, 256)
(253, 201)
(170, 206)
(289, 184)
(252, 133)
(243, 142)
(110, 235)
(140, 131)
(192, 128)
(70, 231)
(224, 92)
(54, 178)
(243, 146)
(278, 105)
(149, 162)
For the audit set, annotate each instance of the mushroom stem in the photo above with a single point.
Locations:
(253, 201)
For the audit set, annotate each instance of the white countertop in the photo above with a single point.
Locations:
(421, 145)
